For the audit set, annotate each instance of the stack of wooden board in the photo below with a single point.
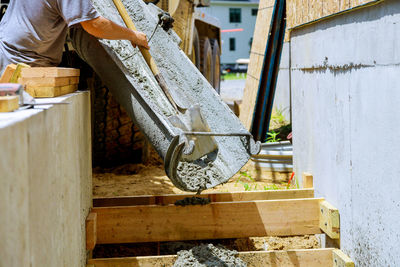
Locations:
(49, 81)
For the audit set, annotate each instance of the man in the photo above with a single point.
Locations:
(34, 32)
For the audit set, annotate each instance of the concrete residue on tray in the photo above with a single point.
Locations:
(208, 256)
(192, 201)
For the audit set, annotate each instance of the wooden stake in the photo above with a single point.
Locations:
(341, 260)
(308, 180)
(329, 220)
(91, 231)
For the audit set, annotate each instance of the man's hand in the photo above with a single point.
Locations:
(106, 29)
(140, 39)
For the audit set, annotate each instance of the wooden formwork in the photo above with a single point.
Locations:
(228, 215)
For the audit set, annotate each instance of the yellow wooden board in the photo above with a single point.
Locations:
(304, 11)
(49, 81)
(51, 91)
(40, 72)
(17, 73)
(212, 221)
(9, 103)
(308, 180)
(91, 230)
(340, 259)
(329, 220)
(8, 73)
(215, 197)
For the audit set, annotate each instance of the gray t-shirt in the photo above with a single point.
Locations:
(34, 31)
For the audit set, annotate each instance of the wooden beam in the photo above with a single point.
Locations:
(341, 260)
(308, 180)
(215, 197)
(213, 221)
(17, 73)
(8, 73)
(91, 231)
(290, 258)
(51, 91)
(329, 220)
(9, 103)
(41, 72)
(50, 81)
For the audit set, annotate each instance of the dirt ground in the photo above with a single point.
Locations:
(150, 179)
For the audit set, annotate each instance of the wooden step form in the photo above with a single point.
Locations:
(229, 215)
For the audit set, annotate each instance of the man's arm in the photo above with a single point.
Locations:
(106, 29)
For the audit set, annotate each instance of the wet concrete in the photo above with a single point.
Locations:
(192, 201)
(208, 256)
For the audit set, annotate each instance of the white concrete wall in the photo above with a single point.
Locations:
(346, 92)
(282, 93)
(45, 184)
(220, 10)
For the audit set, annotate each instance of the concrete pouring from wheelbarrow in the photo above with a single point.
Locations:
(135, 87)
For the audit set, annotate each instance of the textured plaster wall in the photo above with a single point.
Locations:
(345, 75)
(45, 184)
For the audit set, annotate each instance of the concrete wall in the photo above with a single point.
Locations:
(345, 75)
(220, 10)
(45, 184)
(282, 93)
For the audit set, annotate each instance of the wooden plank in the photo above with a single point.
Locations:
(51, 91)
(17, 73)
(7, 74)
(49, 81)
(9, 103)
(341, 260)
(290, 13)
(41, 72)
(344, 4)
(329, 220)
(215, 197)
(315, 9)
(212, 221)
(289, 258)
(299, 12)
(308, 180)
(304, 11)
(91, 231)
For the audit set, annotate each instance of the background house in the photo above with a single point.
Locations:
(238, 19)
